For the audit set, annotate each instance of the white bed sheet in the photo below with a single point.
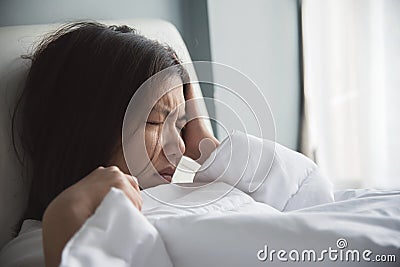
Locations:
(231, 231)
(294, 208)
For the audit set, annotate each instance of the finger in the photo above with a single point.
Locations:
(113, 168)
(134, 196)
(133, 181)
(189, 92)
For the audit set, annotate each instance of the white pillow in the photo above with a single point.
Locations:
(260, 167)
(26, 249)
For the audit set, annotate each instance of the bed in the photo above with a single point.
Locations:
(279, 209)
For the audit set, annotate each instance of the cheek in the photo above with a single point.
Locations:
(153, 146)
(135, 153)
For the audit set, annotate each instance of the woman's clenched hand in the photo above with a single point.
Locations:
(70, 209)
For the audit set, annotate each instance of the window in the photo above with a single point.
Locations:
(351, 63)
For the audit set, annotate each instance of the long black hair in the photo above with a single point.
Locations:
(71, 111)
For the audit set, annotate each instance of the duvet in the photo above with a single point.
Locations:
(256, 203)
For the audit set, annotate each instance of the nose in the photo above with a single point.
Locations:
(173, 145)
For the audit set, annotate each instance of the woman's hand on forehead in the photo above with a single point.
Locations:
(199, 141)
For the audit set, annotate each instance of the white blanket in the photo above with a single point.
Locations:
(293, 210)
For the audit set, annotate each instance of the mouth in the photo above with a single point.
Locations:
(167, 173)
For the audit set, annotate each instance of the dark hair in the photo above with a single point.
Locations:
(71, 110)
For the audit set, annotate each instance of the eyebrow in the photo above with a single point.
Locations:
(166, 111)
(162, 109)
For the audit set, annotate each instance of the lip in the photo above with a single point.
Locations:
(167, 173)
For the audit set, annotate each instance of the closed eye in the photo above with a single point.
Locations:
(154, 122)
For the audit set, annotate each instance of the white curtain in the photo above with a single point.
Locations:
(351, 56)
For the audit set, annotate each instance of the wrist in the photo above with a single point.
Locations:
(61, 220)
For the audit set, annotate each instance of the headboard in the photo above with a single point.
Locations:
(14, 42)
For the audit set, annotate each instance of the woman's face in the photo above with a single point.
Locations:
(163, 142)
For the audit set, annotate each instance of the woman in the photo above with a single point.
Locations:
(71, 111)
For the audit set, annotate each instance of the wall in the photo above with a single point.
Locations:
(261, 39)
(189, 16)
(19, 12)
(258, 37)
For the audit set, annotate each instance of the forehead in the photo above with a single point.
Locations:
(171, 100)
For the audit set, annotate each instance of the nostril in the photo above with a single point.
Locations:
(174, 151)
